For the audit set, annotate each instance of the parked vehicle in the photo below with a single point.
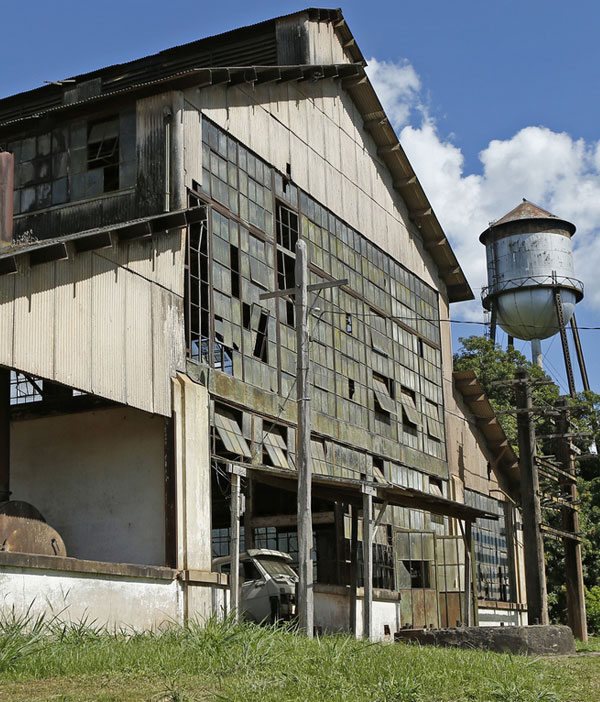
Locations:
(267, 584)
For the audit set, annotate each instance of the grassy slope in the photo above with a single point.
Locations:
(245, 662)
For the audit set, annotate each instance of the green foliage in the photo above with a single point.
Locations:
(493, 364)
(592, 605)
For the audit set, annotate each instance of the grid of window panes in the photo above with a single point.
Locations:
(491, 549)
(374, 358)
(236, 178)
(285, 540)
(77, 160)
(368, 328)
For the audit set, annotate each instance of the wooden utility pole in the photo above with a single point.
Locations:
(535, 574)
(305, 532)
(303, 452)
(570, 523)
(367, 541)
(234, 543)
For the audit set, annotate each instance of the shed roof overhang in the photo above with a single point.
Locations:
(504, 456)
(351, 491)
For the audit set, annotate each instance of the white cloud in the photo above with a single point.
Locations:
(554, 170)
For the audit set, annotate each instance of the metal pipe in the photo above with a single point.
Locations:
(177, 165)
(536, 353)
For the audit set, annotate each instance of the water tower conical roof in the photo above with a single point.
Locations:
(527, 211)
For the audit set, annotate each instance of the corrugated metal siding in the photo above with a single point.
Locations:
(150, 129)
(95, 324)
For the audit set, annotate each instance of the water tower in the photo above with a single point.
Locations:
(532, 290)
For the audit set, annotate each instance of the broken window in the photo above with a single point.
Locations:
(286, 279)
(349, 323)
(223, 346)
(351, 388)
(228, 428)
(409, 410)
(197, 292)
(383, 390)
(379, 469)
(318, 450)
(275, 447)
(234, 256)
(260, 324)
(103, 154)
(287, 227)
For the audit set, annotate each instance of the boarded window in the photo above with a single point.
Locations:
(230, 433)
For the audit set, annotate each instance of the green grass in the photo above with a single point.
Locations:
(228, 661)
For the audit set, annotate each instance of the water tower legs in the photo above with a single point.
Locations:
(579, 352)
(565, 343)
(536, 353)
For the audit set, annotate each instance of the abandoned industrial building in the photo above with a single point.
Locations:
(155, 202)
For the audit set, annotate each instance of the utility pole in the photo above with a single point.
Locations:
(535, 574)
(303, 452)
(234, 539)
(305, 532)
(570, 522)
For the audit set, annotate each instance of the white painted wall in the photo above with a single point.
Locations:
(489, 616)
(332, 614)
(98, 479)
(101, 600)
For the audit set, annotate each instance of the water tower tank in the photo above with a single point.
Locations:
(529, 257)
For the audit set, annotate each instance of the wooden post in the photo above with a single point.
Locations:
(576, 616)
(4, 434)
(535, 574)
(234, 540)
(368, 562)
(353, 569)
(305, 531)
(467, 541)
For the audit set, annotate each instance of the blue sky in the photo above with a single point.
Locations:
(492, 101)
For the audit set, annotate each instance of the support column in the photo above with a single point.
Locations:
(579, 352)
(576, 616)
(535, 574)
(368, 562)
(4, 434)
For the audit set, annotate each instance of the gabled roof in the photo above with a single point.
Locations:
(250, 54)
(504, 456)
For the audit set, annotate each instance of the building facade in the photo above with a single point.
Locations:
(154, 203)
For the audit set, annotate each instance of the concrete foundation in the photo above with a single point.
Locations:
(528, 640)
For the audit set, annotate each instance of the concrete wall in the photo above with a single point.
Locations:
(192, 465)
(108, 594)
(101, 600)
(332, 612)
(98, 478)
